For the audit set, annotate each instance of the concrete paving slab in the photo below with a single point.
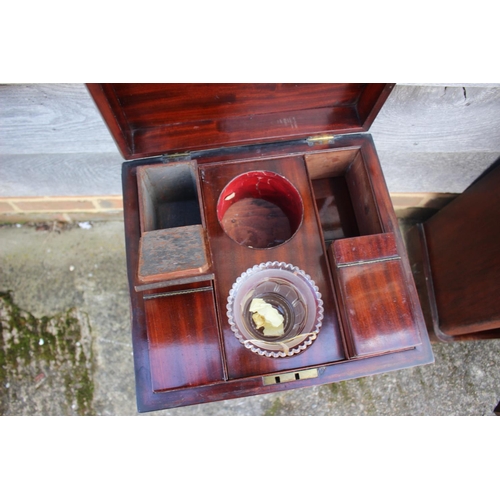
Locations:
(68, 285)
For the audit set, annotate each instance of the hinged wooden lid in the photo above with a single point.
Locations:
(154, 119)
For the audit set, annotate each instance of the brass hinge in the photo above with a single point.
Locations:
(176, 157)
(320, 139)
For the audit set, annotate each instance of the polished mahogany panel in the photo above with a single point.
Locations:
(376, 307)
(160, 104)
(184, 349)
(419, 258)
(154, 119)
(463, 245)
(365, 248)
(304, 250)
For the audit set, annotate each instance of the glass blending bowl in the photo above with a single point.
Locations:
(292, 293)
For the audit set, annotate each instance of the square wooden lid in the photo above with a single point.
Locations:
(154, 119)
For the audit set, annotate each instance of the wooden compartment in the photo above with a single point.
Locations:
(168, 196)
(173, 242)
(173, 268)
(375, 305)
(375, 301)
(343, 194)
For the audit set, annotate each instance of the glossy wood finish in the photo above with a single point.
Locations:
(364, 249)
(184, 345)
(419, 258)
(375, 301)
(330, 164)
(304, 250)
(232, 130)
(154, 119)
(458, 252)
(328, 372)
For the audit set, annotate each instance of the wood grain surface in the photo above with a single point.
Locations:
(335, 209)
(463, 242)
(62, 118)
(173, 253)
(149, 400)
(377, 310)
(48, 119)
(60, 174)
(305, 250)
(364, 248)
(434, 172)
(153, 119)
(439, 120)
(419, 257)
(430, 138)
(374, 296)
(184, 346)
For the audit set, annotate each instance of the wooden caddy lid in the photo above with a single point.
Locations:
(154, 119)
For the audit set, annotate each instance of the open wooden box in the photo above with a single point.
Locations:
(230, 178)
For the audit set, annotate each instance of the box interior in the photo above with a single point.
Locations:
(342, 207)
(172, 246)
(168, 196)
(346, 205)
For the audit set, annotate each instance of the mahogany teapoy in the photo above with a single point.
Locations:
(225, 177)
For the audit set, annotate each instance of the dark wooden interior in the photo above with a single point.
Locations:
(185, 351)
(152, 119)
(195, 223)
(337, 181)
(168, 196)
(172, 244)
